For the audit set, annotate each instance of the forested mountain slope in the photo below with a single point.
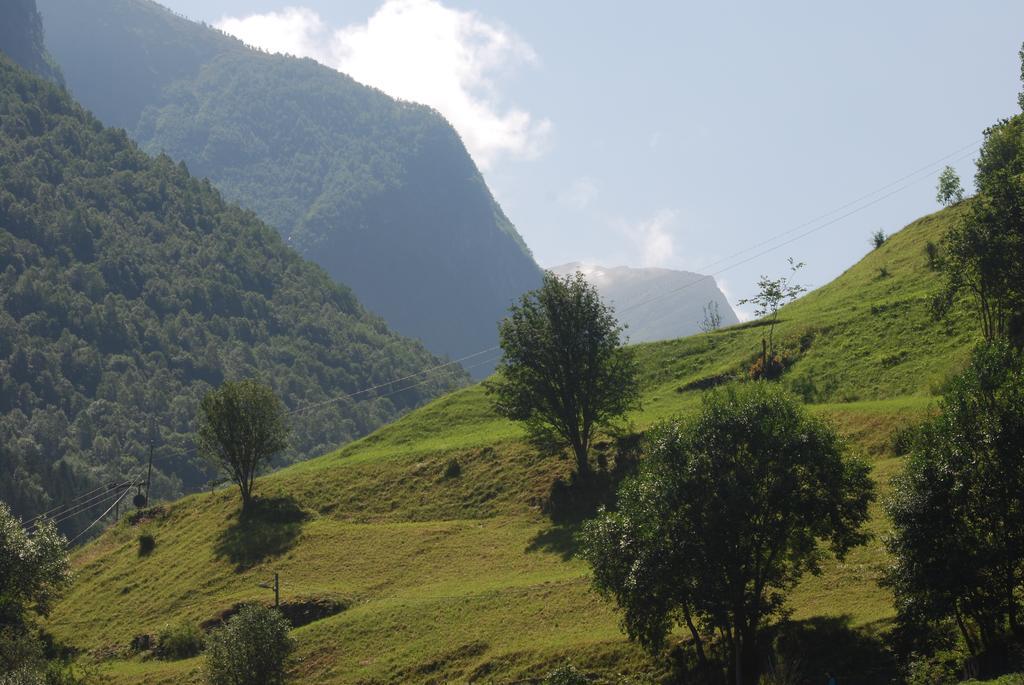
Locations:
(381, 193)
(432, 534)
(128, 289)
(656, 304)
(21, 38)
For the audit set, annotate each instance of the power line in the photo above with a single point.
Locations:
(928, 167)
(784, 243)
(100, 517)
(71, 508)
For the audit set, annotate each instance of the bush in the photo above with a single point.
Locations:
(180, 641)
(453, 469)
(878, 238)
(251, 649)
(566, 675)
(147, 543)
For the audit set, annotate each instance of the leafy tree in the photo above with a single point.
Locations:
(564, 370)
(983, 255)
(242, 426)
(772, 293)
(878, 238)
(252, 649)
(958, 510)
(949, 191)
(730, 509)
(34, 571)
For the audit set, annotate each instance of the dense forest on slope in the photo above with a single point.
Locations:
(128, 289)
(381, 193)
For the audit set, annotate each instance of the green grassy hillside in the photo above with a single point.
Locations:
(460, 576)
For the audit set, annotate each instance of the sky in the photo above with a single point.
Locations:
(720, 138)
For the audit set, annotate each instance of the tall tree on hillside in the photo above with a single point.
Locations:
(772, 293)
(730, 509)
(958, 511)
(241, 427)
(949, 191)
(564, 371)
(984, 252)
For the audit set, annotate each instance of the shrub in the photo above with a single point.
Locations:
(931, 251)
(252, 648)
(566, 675)
(453, 469)
(179, 641)
(147, 543)
(878, 238)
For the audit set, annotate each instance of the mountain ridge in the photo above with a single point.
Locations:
(128, 288)
(655, 303)
(382, 193)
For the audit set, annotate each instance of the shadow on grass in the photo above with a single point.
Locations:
(558, 539)
(829, 645)
(266, 528)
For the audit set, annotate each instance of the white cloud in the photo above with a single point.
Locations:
(579, 195)
(422, 51)
(653, 239)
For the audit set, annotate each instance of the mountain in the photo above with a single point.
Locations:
(129, 288)
(380, 192)
(428, 541)
(21, 38)
(655, 304)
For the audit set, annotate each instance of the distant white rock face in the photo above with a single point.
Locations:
(654, 304)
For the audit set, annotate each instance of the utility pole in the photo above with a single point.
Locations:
(277, 589)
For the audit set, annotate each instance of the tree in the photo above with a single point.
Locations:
(241, 427)
(949, 191)
(731, 507)
(772, 293)
(878, 238)
(251, 649)
(34, 572)
(564, 371)
(983, 254)
(958, 510)
(712, 319)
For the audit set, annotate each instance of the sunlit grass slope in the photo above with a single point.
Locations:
(455, 574)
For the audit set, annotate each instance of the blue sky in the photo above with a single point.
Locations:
(677, 134)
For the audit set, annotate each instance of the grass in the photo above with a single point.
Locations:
(460, 576)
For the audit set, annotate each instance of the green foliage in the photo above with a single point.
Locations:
(566, 675)
(772, 293)
(381, 193)
(983, 256)
(252, 649)
(878, 238)
(179, 641)
(958, 510)
(731, 508)
(241, 427)
(34, 572)
(128, 289)
(949, 191)
(564, 371)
